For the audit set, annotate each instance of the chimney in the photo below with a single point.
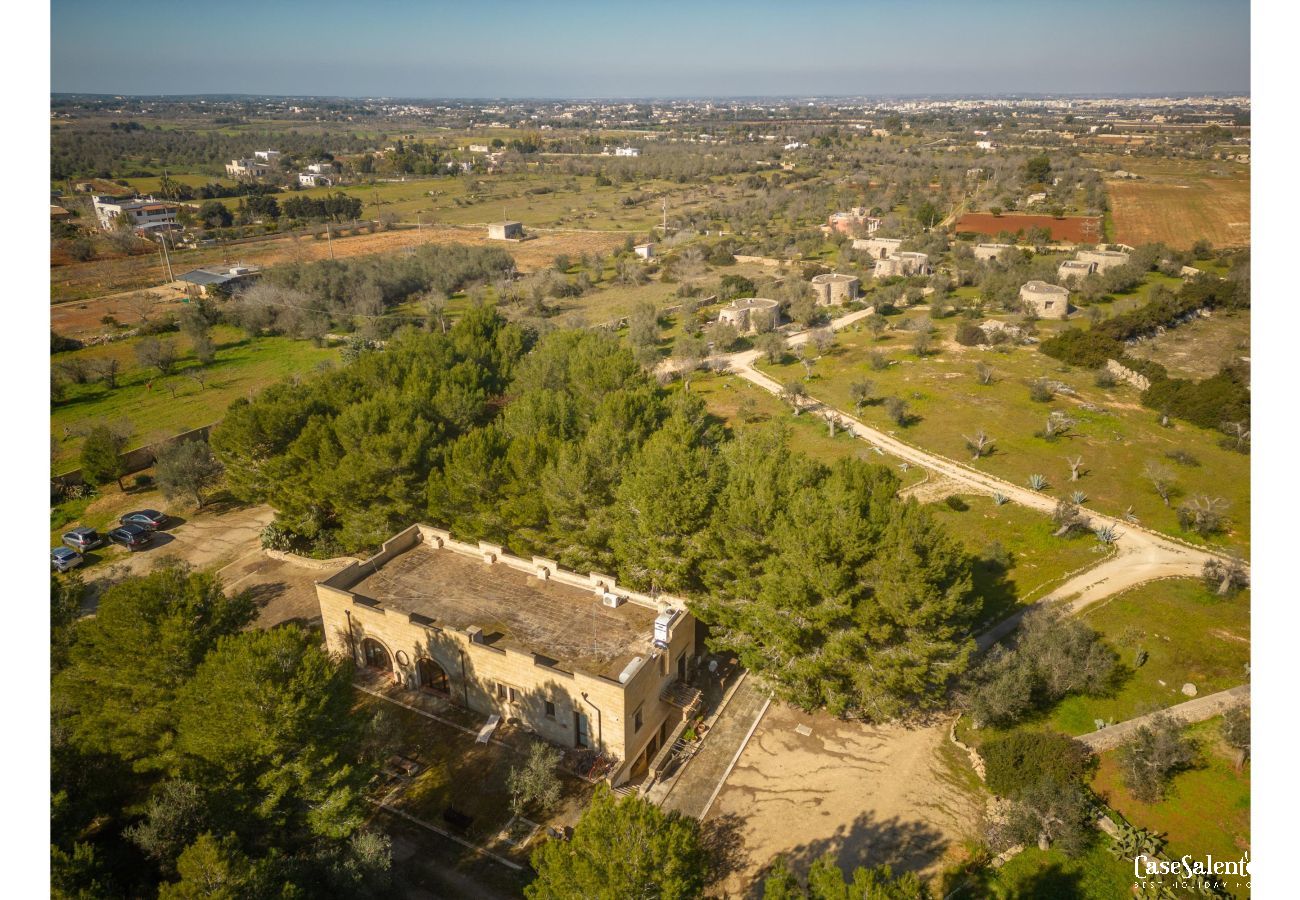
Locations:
(475, 634)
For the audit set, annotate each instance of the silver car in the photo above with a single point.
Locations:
(64, 558)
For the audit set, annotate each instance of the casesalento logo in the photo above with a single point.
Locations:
(1192, 874)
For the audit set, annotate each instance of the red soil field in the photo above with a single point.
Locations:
(1079, 229)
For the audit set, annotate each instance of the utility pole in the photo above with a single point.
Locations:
(167, 259)
(329, 239)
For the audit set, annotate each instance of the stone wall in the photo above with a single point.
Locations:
(141, 457)
(1127, 375)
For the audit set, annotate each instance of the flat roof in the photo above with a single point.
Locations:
(569, 626)
(495, 224)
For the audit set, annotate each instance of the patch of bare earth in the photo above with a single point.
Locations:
(871, 794)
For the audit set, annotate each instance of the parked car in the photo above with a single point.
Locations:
(132, 537)
(64, 558)
(149, 519)
(83, 539)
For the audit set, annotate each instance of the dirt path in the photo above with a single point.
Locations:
(1197, 710)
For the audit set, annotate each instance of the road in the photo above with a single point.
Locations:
(1140, 555)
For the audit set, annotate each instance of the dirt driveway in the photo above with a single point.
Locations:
(872, 794)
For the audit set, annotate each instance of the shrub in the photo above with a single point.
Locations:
(1040, 391)
(970, 335)
(1024, 758)
(1153, 756)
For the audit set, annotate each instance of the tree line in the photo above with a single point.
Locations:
(825, 584)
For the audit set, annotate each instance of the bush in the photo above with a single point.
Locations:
(970, 335)
(1024, 758)
(1153, 756)
(1040, 391)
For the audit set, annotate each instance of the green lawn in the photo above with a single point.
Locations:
(1207, 808)
(1039, 561)
(1051, 875)
(242, 366)
(1190, 636)
(1114, 433)
(724, 395)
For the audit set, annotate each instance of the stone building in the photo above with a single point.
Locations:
(1103, 259)
(835, 289)
(577, 659)
(506, 231)
(878, 248)
(749, 314)
(990, 251)
(853, 221)
(1077, 269)
(1048, 301)
(905, 263)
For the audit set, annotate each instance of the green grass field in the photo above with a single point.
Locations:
(1114, 433)
(242, 366)
(1037, 875)
(1039, 561)
(1190, 636)
(1207, 808)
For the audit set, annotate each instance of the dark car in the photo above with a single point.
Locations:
(64, 558)
(132, 537)
(83, 539)
(149, 519)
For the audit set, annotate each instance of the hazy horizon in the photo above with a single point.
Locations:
(498, 49)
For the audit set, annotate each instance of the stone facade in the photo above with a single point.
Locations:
(990, 251)
(834, 289)
(878, 248)
(1048, 301)
(406, 612)
(1103, 259)
(506, 231)
(903, 264)
(751, 314)
(1078, 269)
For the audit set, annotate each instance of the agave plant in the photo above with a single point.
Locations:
(1079, 497)
(1107, 534)
(1038, 482)
(999, 498)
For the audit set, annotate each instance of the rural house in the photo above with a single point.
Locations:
(834, 289)
(878, 248)
(577, 659)
(1103, 259)
(1048, 301)
(751, 314)
(990, 251)
(903, 264)
(144, 212)
(1077, 269)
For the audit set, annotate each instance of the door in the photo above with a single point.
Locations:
(432, 676)
(681, 667)
(582, 730)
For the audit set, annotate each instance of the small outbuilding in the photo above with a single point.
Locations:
(1103, 259)
(878, 248)
(750, 314)
(1077, 269)
(506, 231)
(835, 289)
(219, 279)
(1048, 301)
(990, 251)
(903, 264)
(645, 251)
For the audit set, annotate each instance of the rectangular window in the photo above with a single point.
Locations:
(636, 720)
(513, 694)
(550, 709)
(501, 691)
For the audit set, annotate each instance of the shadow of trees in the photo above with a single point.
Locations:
(905, 845)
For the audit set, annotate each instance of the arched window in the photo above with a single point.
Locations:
(432, 677)
(376, 655)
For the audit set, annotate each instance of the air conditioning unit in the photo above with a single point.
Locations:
(613, 601)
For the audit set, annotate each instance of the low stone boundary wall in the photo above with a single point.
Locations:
(141, 457)
(1127, 375)
(1197, 710)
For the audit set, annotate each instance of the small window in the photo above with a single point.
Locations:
(636, 720)
(501, 691)
(550, 709)
(513, 694)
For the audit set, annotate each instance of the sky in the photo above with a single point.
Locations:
(667, 48)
